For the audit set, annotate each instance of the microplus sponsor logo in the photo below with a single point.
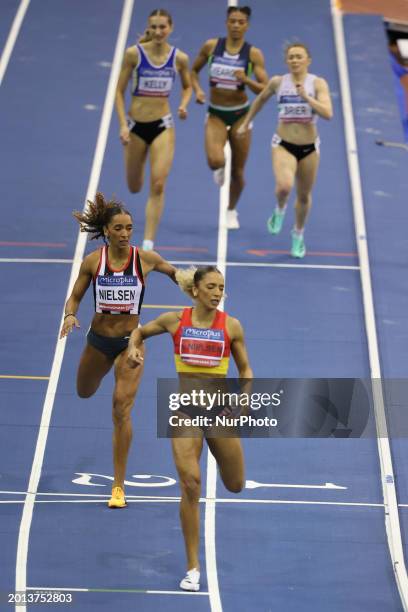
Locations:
(153, 72)
(117, 281)
(291, 99)
(208, 334)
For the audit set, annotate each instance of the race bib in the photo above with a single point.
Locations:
(116, 293)
(203, 347)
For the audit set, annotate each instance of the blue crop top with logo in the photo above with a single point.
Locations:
(154, 81)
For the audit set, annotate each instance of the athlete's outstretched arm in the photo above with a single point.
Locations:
(240, 355)
(153, 261)
(238, 348)
(199, 62)
(129, 62)
(258, 103)
(187, 90)
(166, 322)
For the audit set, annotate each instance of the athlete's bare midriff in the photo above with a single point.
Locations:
(297, 133)
(145, 109)
(114, 326)
(226, 97)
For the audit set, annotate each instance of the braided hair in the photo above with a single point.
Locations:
(246, 10)
(98, 214)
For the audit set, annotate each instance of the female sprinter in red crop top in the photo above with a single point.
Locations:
(203, 338)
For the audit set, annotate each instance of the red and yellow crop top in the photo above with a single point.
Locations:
(202, 350)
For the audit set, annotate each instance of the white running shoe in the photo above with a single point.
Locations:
(232, 219)
(219, 176)
(192, 580)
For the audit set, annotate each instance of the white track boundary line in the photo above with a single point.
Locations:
(24, 531)
(12, 37)
(219, 500)
(261, 264)
(231, 264)
(211, 484)
(392, 522)
(102, 497)
(114, 591)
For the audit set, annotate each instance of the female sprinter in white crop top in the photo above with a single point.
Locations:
(302, 97)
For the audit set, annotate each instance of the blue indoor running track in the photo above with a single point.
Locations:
(291, 540)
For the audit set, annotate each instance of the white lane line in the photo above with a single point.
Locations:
(252, 264)
(102, 496)
(102, 590)
(392, 523)
(211, 484)
(288, 265)
(297, 502)
(249, 484)
(99, 498)
(12, 37)
(231, 264)
(25, 524)
(205, 500)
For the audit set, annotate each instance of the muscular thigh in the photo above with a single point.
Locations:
(161, 154)
(284, 166)
(93, 366)
(186, 454)
(307, 172)
(127, 380)
(216, 136)
(135, 156)
(229, 456)
(240, 145)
